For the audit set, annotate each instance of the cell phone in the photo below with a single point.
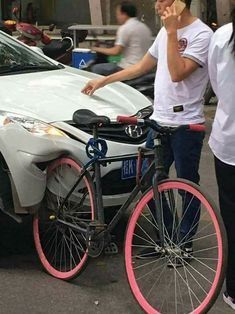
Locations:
(180, 6)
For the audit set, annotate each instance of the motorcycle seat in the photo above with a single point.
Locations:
(56, 48)
(143, 80)
(87, 117)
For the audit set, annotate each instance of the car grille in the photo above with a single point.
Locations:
(115, 133)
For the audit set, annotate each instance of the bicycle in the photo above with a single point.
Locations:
(67, 232)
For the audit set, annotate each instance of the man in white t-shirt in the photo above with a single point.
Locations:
(132, 42)
(180, 53)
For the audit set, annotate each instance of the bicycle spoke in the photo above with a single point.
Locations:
(149, 263)
(152, 241)
(157, 281)
(208, 249)
(198, 239)
(166, 293)
(189, 290)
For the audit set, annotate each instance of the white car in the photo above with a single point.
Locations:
(38, 98)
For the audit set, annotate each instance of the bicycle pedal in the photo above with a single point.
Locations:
(111, 249)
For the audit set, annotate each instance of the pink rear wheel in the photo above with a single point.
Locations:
(62, 249)
(185, 274)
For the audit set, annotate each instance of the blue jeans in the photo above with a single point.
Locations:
(184, 149)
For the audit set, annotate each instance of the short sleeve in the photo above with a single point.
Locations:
(213, 60)
(153, 50)
(198, 48)
(122, 37)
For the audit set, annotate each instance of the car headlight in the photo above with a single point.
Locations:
(145, 113)
(33, 126)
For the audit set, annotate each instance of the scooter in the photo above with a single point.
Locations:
(57, 49)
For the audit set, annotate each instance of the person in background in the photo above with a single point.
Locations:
(30, 13)
(133, 40)
(180, 53)
(222, 139)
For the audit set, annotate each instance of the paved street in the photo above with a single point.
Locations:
(102, 288)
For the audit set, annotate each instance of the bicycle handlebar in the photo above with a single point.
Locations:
(161, 129)
(128, 120)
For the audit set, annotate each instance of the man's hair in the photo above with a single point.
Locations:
(232, 39)
(188, 3)
(128, 8)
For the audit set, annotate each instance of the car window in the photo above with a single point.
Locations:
(14, 57)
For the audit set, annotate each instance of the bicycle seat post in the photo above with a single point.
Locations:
(95, 132)
(98, 187)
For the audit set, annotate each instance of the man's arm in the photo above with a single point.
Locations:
(179, 68)
(114, 51)
(144, 66)
(121, 41)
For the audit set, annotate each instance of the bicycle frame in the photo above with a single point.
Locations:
(156, 166)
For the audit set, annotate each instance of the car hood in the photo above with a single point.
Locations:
(54, 96)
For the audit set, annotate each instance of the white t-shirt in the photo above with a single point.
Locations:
(136, 38)
(222, 75)
(182, 103)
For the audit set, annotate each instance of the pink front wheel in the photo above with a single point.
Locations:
(185, 274)
(62, 249)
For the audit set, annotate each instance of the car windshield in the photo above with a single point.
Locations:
(15, 58)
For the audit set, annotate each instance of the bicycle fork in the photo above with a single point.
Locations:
(159, 174)
(173, 230)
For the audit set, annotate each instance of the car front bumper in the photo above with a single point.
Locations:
(27, 157)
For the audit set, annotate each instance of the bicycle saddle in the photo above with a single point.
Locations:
(87, 117)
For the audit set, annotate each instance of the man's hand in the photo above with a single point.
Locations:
(93, 85)
(171, 19)
(95, 49)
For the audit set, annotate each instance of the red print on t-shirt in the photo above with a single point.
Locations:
(182, 44)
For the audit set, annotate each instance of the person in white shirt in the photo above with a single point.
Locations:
(222, 139)
(180, 53)
(132, 42)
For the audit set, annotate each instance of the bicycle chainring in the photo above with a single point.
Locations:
(95, 246)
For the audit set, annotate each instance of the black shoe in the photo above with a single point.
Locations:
(187, 254)
(230, 301)
(181, 259)
(148, 253)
